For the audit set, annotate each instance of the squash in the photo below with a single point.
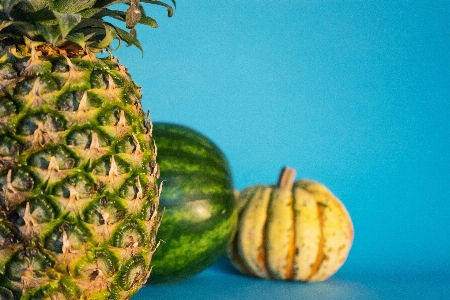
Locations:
(293, 231)
(200, 213)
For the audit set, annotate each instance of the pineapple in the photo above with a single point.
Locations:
(79, 188)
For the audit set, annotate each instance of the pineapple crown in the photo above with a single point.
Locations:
(77, 24)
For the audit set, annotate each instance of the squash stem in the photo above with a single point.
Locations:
(286, 179)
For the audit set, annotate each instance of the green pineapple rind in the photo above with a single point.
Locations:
(59, 184)
(78, 173)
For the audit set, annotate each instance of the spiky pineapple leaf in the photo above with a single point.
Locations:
(71, 6)
(169, 8)
(110, 36)
(49, 32)
(7, 5)
(120, 15)
(55, 33)
(24, 29)
(77, 38)
(129, 38)
(93, 29)
(148, 21)
(66, 22)
(4, 24)
(42, 16)
(29, 6)
(106, 3)
(116, 14)
(81, 22)
(89, 13)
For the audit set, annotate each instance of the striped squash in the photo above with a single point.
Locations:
(292, 231)
(198, 198)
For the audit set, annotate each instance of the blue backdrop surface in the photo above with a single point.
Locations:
(354, 94)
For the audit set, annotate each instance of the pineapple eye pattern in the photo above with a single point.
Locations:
(9, 148)
(69, 101)
(78, 198)
(26, 264)
(37, 211)
(83, 138)
(67, 238)
(128, 144)
(62, 156)
(41, 121)
(103, 212)
(80, 184)
(36, 86)
(110, 165)
(132, 273)
(20, 180)
(129, 235)
(133, 188)
(7, 108)
(114, 116)
(97, 265)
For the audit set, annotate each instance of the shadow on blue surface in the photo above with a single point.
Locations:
(221, 281)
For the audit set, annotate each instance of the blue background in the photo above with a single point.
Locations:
(354, 94)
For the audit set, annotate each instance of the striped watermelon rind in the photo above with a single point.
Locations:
(198, 197)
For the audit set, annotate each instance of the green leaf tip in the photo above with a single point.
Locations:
(80, 23)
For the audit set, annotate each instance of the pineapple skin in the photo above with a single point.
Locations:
(78, 176)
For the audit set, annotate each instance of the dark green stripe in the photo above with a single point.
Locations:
(179, 132)
(180, 162)
(192, 153)
(172, 135)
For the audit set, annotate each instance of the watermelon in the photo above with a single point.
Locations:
(200, 213)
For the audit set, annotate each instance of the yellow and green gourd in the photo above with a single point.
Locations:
(291, 231)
